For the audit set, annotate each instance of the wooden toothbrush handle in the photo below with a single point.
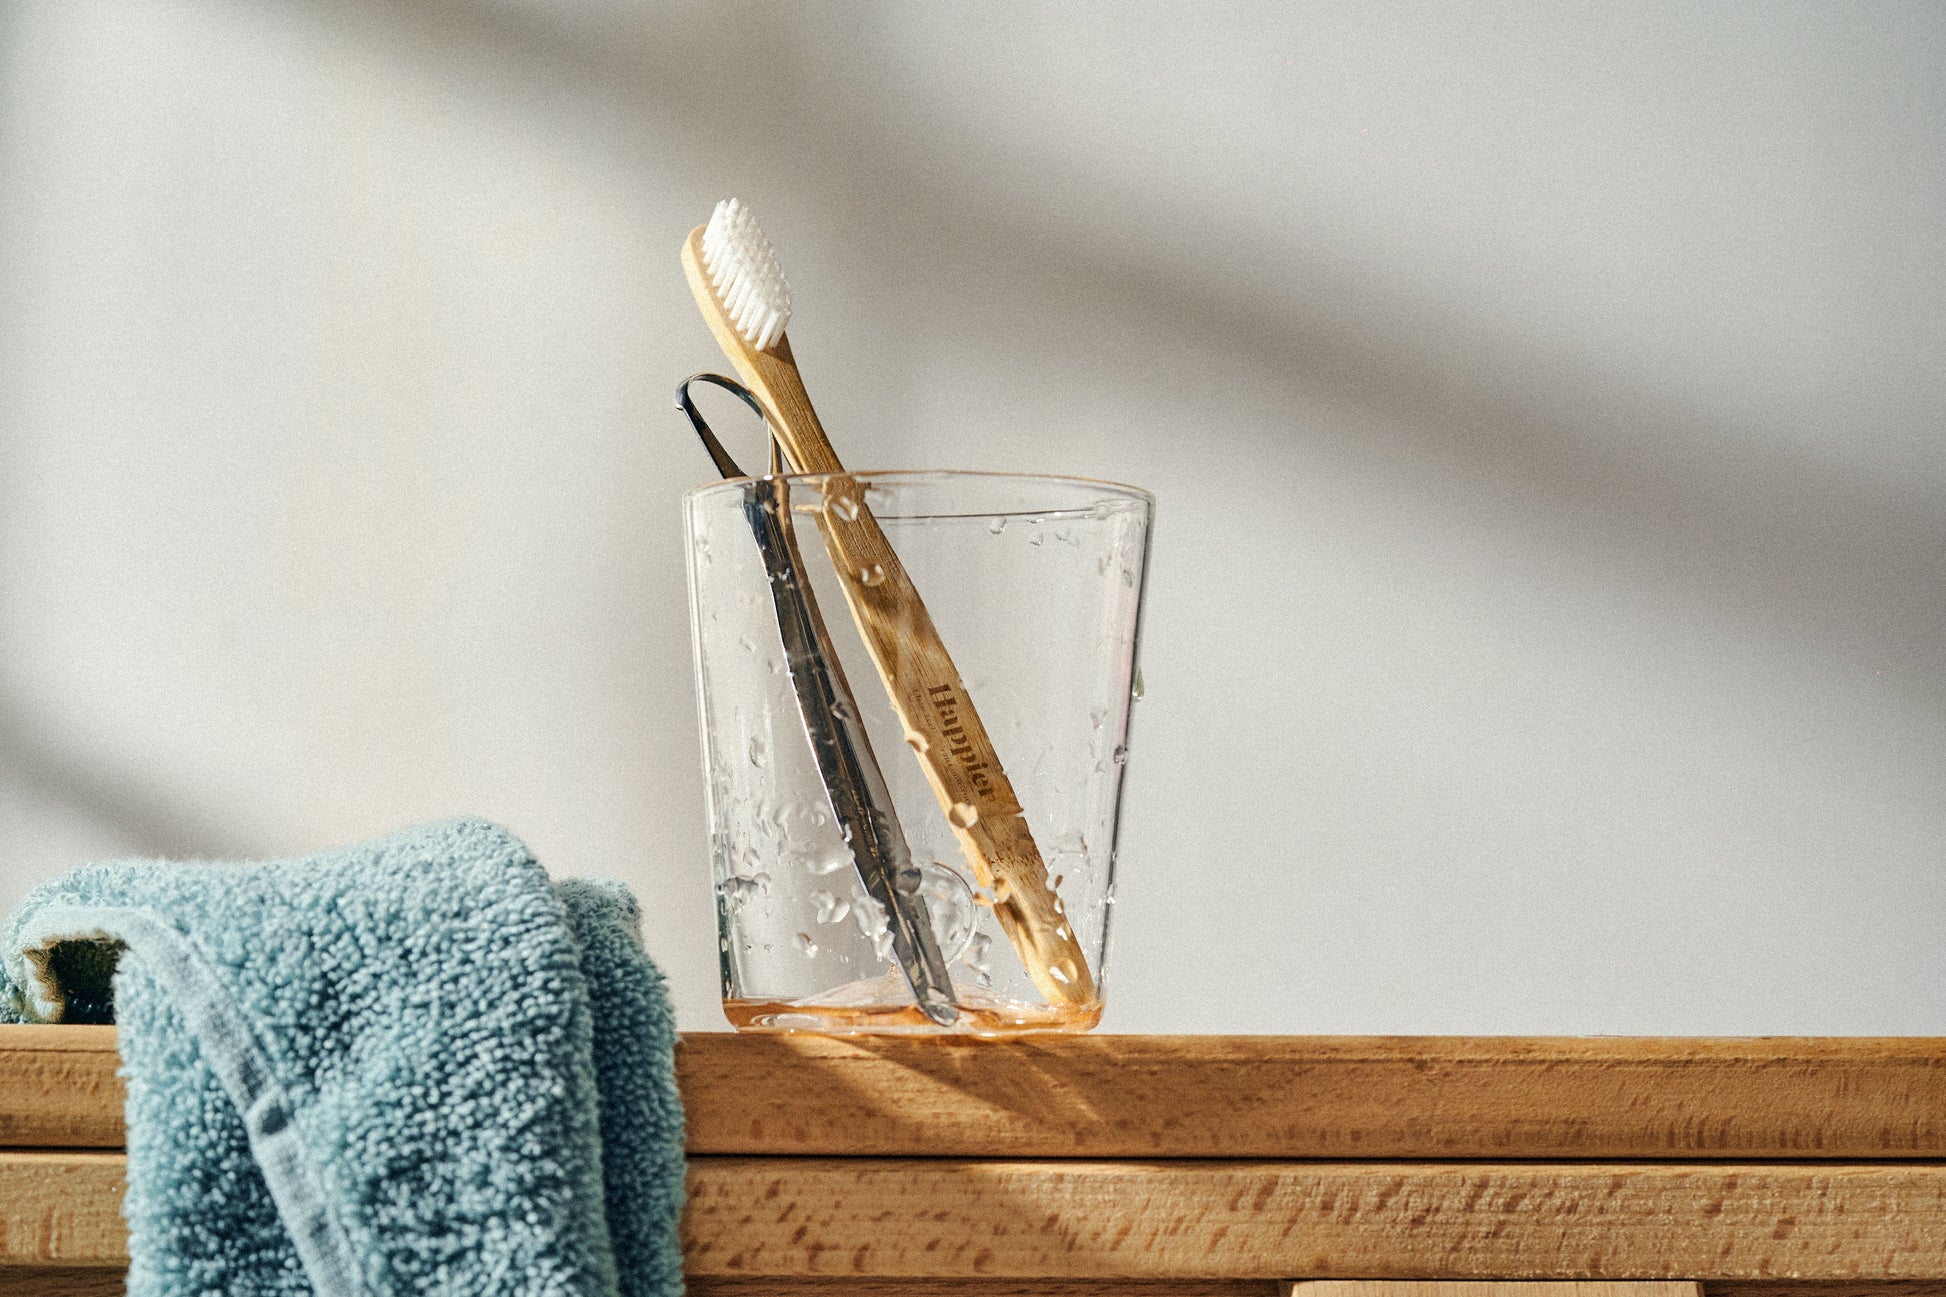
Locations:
(945, 730)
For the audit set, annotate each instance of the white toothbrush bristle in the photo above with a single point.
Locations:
(743, 269)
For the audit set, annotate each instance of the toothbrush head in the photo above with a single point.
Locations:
(743, 270)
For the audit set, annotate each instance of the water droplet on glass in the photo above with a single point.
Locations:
(841, 709)
(964, 815)
(949, 903)
(871, 574)
(1101, 565)
(758, 753)
(908, 880)
(1036, 538)
(997, 526)
(805, 944)
(831, 909)
(1128, 577)
(1097, 715)
(917, 742)
(1138, 692)
(827, 862)
(744, 889)
(747, 644)
(844, 506)
(871, 922)
(1121, 754)
(866, 913)
(1067, 859)
(1059, 974)
(977, 950)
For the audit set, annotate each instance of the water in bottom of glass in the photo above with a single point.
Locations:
(875, 1006)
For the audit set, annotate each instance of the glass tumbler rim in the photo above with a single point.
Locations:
(927, 475)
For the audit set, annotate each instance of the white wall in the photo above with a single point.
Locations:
(1547, 630)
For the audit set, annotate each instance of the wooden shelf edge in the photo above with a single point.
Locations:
(97, 1282)
(1208, 1096)
(752, 1218)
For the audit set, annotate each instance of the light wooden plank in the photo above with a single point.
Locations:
(61, 1209)
(37, 1281)
(1793, 1288)
(58, 1087)
(1208, 1096)
(717, 1286)
(60, 1281)
(1328, 1097)
(941, 1218)
(1374, 1220)
(1493, 1288)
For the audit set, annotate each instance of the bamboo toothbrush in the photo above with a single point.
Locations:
(740, 289)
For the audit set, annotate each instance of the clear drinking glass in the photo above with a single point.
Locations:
(1034, 585)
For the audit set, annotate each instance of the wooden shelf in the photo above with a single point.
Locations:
(960, 1219)
(1202, 1166)
(1208, 1096)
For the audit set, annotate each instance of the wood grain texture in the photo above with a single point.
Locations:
(61, 1281)
(39, 1281)
(1792, 1288)
(1207, 1096)
(1492, 1288)
(58, 1087)
(712, 1286)
(715, 1286)
(1316, 1096)
(709, 1286)
(920, 679)
(757, 1218)
(1240, 1220)
(61, 1209)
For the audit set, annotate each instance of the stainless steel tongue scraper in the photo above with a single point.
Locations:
(853, 782)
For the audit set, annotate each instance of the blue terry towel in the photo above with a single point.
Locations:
(409, 1066)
